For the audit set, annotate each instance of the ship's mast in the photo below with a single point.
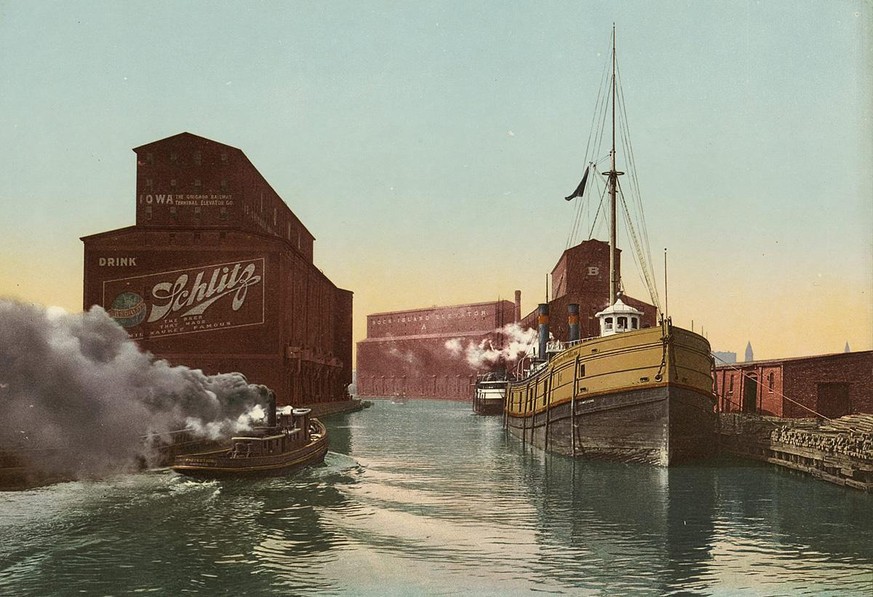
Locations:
(613, 184)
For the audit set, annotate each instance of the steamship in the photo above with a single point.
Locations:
(291, 440)
(489, 394)
(631, 394)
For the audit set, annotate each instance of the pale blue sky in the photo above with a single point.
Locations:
(428, 145)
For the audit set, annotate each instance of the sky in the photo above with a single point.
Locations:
(428, 145)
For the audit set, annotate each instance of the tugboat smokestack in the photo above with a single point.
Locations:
(543, 328)
(573, 322)
(271, 410)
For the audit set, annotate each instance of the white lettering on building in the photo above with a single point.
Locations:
(170, 297)
(117, 262)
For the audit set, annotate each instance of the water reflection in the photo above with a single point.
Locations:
(506, 512)
(426, 498)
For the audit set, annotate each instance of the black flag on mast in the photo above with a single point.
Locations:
(581, 188)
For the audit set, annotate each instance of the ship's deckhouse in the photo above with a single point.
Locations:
(619, 318)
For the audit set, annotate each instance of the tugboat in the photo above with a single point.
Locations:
(632, 394)
(291, 440)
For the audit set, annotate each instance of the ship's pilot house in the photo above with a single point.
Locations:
(619, 318)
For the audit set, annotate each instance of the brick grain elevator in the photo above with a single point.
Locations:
(406, 353)
(218, 274)
(581, 277)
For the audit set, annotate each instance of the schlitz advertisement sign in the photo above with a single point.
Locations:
(198, 299)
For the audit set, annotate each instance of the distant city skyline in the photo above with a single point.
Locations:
(428, 147)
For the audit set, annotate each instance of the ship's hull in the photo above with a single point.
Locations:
(489, 398)
(637, 397)
(662, 426)
(218, 464)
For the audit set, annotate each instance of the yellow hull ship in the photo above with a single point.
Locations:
(639, 396)
(634, 393)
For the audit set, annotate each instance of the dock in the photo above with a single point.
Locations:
(322, 410)
(839, 451)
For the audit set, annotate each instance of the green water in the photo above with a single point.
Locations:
(426, 498)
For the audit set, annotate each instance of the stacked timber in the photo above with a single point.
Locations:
(839, 451)
(851, 436)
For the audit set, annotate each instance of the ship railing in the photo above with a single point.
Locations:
(227, 461)
(554, 346)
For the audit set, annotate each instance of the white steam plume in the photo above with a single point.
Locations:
(512, 342)
(77, 388)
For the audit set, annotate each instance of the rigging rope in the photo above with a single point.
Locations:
(636, 223)
(643, 266)
(597, 213)
(595, 138)
(643, 247)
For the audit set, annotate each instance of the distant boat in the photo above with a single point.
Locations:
(631, 394)
(489, 395)
(291, 440)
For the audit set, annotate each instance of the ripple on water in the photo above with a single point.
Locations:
(425, 499)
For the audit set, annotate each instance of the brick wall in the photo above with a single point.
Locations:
(831, 385)
(804, 378)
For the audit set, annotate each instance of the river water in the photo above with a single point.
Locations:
(427, 498)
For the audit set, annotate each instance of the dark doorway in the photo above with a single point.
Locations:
(750, 394)
(832, 400)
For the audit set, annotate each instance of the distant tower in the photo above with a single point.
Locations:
(750, 356)
(847, 349)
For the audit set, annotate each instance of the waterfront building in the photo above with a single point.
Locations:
(420, 352)
(406, 352)
(218, 274)
(581, 277)
(831, 385)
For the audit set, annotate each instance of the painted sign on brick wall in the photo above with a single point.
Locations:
(197, 299)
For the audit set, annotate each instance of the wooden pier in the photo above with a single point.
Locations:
(839, 451)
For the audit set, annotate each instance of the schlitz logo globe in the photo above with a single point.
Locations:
(128, 309)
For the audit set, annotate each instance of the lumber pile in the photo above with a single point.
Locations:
(850, 436)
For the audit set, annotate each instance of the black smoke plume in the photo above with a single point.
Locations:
(79, 397)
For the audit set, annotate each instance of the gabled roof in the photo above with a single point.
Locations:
(583, 245)
(186, 135)
(204, 140)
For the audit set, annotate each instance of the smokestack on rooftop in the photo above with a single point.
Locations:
(517, 306)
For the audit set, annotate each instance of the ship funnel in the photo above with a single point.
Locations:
(543, 328)
(573, 322)
(271, 409)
